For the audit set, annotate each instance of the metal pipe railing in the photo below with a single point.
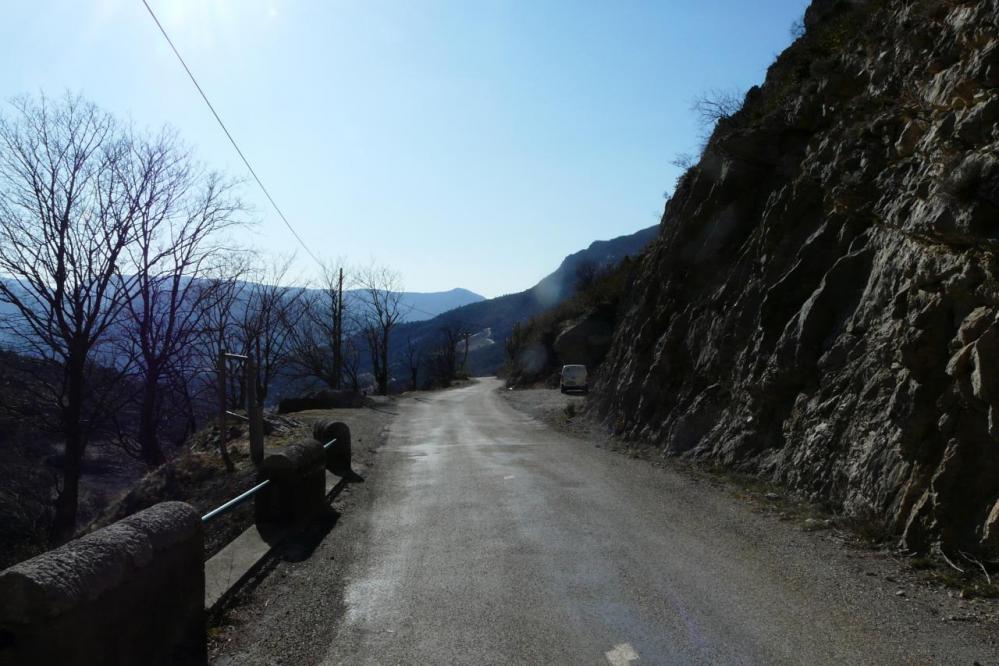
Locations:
(235, 501)
(239, 499)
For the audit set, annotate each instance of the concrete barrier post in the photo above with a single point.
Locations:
(297, 490)
(337, 455)
(130, 593)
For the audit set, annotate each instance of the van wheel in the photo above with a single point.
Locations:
(562, 389)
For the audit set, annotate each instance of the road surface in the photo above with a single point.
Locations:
(491, 538)
(484, 537)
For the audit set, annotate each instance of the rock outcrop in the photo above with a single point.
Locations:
(584, 340)
(821, 304)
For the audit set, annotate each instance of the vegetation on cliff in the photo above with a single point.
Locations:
(578, 330)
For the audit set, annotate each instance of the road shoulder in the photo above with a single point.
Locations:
(913, 581)
(288, 611)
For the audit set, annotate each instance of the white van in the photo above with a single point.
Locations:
(573, 378)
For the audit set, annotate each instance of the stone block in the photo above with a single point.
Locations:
(297, 489)
(338, 455)
(130, 593)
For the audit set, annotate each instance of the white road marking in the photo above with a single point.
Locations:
(507, 478)
(622, 655)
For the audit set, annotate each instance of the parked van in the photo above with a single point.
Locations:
(573, 378)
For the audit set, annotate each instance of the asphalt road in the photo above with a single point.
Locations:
(493, 539)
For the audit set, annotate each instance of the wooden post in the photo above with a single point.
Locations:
(253, 412)
(223, 449)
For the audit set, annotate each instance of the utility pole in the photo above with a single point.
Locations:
(338, 333)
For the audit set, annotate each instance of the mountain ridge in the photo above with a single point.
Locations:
(498, 315)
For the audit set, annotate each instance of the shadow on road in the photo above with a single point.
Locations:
(300, 545)
(295, 546)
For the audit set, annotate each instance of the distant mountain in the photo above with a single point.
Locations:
(426, 305)
(492, 320)
(415, 306)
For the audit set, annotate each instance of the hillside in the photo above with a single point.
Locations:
(821, 305)
(418, 306)
(494, 319)
(578, 330)
(415, 305)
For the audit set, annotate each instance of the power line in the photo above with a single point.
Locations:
(253, 173)
(229, 135)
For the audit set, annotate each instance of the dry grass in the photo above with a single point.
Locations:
(971, 583)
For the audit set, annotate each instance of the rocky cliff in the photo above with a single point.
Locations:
(821, 304)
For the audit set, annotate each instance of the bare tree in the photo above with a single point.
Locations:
(466, 345)
(352, 363)
(175, 244)
(316, 342)
(443, 361)
(715, 105)
(382, 300)
(414, 358)
(66, 217)
(219, 317)
(269, 316)
(797, 29)
(682, 161)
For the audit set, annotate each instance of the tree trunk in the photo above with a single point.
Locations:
(464, 360)
(64, 521)
(383, 379)
(338, 334)
(149, 444)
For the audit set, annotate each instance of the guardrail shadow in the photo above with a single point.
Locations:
(294, 545)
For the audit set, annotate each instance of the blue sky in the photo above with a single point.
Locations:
(465, 143)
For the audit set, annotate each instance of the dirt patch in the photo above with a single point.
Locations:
(197, 476)
(31, 472)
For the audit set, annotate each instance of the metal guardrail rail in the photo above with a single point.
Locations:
(239, 499)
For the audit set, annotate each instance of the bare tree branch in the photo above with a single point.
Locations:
(382, 298)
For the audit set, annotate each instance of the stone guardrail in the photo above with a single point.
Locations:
(134, 592)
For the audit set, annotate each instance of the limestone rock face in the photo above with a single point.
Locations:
(821, 304)
(584, 340)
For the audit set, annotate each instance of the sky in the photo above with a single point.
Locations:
(464, 143)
